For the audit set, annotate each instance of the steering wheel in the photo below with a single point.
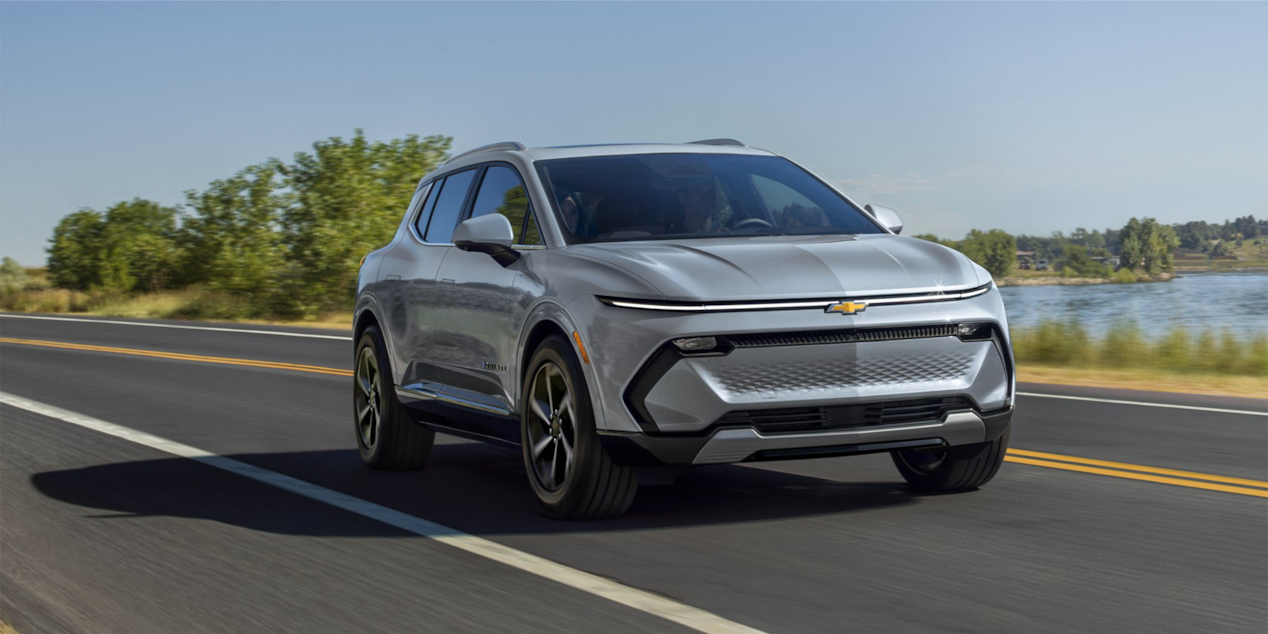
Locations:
(750, 221)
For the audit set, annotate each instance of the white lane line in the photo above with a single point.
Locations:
(641, 600)
(180, 327)
(1146, 404)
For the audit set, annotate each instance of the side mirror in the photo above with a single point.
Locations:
(491, 234)
(887, 217)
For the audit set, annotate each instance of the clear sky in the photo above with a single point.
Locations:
(1029, 117)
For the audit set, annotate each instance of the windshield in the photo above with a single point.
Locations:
(674, 196)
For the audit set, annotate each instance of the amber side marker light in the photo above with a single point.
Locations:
(363, 260)
(584, 356)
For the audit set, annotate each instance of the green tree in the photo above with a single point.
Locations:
(995, 250)
(1147, 245)
(138, 246)
(12, 276)
(75, 250)
(348, 199)
(232, 240)
(1080, 264)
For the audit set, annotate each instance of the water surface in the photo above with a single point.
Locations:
(1217, 300)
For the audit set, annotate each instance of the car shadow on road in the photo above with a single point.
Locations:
(472, 487)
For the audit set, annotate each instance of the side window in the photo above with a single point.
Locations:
(448, 206)
(531, 237)
(420, 222)
(502, 192)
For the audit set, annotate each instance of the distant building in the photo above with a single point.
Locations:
(1025, 259)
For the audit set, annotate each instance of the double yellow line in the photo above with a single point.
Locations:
(179, 357)
(1240, 486)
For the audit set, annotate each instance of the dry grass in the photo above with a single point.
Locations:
(5, 628)
(1213, 384)
(191, 304)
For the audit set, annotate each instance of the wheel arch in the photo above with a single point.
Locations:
(544, 320)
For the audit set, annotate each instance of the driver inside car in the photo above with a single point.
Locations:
(699, 202)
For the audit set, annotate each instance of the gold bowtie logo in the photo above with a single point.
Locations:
(847, 308)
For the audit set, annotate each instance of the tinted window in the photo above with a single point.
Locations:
(789, 207)
(444, 215)
(420, 222)
(502, 192)
(531, 237)
(674, 196)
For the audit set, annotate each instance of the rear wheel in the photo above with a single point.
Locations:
(387, 437)
(567, 467)
(954, 469)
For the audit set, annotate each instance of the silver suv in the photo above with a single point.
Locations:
(624, 312)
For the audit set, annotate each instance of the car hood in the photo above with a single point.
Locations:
(782, 267)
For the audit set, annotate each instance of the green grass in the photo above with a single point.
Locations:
(1125, 347)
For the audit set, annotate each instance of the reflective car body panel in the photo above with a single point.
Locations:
(460, 327)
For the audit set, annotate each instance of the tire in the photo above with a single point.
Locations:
(554, 427)
(387, 437)
(956, 469)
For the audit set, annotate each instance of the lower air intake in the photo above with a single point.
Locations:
(803, 419)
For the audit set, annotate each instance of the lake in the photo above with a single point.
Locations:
(1215, 300)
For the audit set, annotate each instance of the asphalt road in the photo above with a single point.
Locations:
(100, 533)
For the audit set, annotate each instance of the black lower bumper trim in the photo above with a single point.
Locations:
(635, 449)
(996, 422)
(842, 450)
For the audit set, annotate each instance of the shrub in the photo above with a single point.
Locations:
(1124, 276)
(12, 276)
(1124, 346)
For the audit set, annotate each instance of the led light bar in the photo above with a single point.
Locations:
(870, 301)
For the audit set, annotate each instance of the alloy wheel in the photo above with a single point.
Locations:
(552, 428)
(368, 403)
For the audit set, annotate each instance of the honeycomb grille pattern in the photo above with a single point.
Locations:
(826, 376)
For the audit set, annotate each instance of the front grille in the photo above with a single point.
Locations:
(800, 419)
(850, 335)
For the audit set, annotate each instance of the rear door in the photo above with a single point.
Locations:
(408, 276)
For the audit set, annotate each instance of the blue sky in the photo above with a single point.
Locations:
(1030, 117)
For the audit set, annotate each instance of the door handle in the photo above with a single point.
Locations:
(446, 284)
(392, 278)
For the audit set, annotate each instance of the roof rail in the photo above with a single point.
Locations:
(730, 142)
(505, 145)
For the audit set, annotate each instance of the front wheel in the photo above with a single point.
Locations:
(386, 436)
(568, 469)
(954, 469)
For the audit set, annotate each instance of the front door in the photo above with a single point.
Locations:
(477, 321)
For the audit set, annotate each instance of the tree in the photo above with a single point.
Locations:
(138, 246)
(232, 240)
(75, 250)
(1148, 246)
(348, 200)
(12, 276)
(995, 250)
(1077, 261)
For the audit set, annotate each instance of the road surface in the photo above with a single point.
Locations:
(178, 479)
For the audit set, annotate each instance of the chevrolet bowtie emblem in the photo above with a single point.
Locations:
(847, 308)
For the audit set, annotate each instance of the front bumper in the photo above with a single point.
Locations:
(724, 445)
(690, 393)
(788, 359)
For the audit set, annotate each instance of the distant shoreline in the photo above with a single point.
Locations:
(1076, 281)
